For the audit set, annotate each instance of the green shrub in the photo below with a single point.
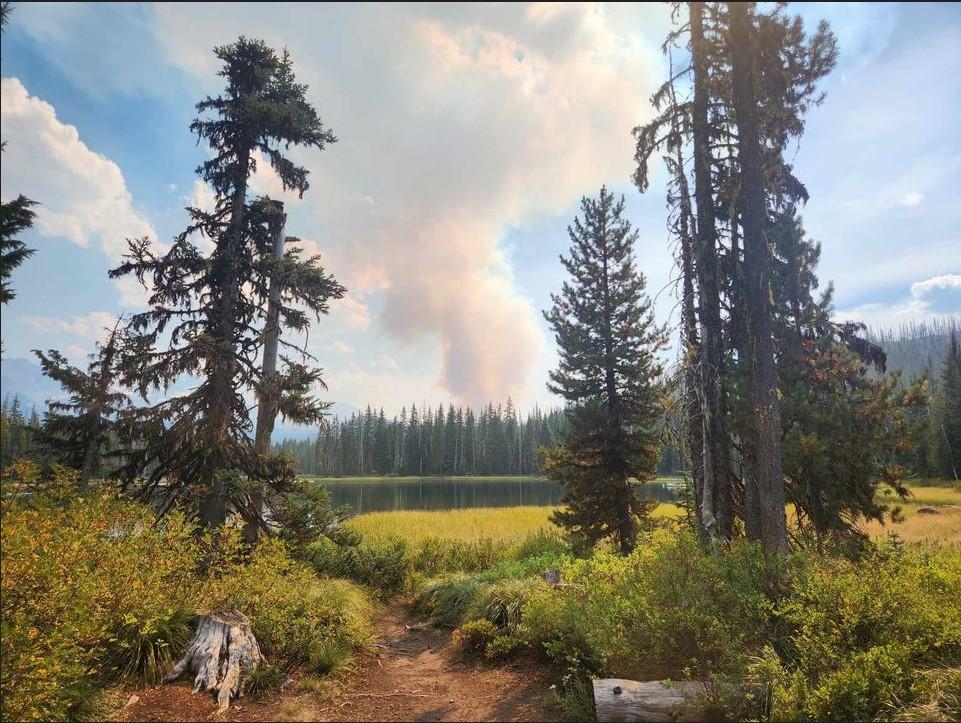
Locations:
(265, 678)
(446, 602)
(329, 655)
(502, 647)
(501, 602)
(146, 649)
(290, 609)
(383, 565)
(93, 590)
(804, 637)
(436, 556)
(473, 637)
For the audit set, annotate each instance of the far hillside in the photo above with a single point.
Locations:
(916, 348)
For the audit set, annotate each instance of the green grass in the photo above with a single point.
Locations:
(510, 524)
(415, 479)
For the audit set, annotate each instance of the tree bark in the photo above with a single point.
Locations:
(213, 504)
(716, 491)
(693, 417)
(267, 411)
(223, 649)
(762, 382)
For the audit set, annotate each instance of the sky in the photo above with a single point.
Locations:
(467, 135)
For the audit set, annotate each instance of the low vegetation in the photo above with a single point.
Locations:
(815, 639)
(95, 593)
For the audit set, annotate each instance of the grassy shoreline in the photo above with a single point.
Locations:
(409, 479)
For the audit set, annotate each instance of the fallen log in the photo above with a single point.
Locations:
(222, 651)
(616, 699)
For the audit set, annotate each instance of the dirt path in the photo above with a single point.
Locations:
(410, 675)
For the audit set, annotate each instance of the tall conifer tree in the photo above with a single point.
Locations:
(208, 311)
(607, 339)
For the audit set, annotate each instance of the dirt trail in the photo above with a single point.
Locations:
(409, 675)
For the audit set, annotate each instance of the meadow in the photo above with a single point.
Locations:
(820, 637)
(513, 524)
(509, 524)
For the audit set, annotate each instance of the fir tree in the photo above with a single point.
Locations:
(947, 419)
(212, 308)
(607, 338)
(85, 431)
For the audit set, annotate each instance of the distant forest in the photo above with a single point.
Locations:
(917, 348)
(454, 441)
(497, 441)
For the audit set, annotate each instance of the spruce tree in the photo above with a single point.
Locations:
(948, 416)
(207, 311)
(87, 430)
(606, 339)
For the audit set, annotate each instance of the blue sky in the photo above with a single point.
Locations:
(468, 133)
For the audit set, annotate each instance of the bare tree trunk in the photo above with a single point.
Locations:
(267, 411)
(693, 417)
(751, 504)
(223, 649)
(716, 493)
(762, 383)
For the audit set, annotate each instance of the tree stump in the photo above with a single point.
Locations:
(656, 700)
(222, 650)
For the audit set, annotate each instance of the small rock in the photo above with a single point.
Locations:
(928, 511)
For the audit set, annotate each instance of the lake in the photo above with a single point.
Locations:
(378, 494)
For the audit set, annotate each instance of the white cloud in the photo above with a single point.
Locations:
(384, 362)
(456, 122)
(934, 297)
(75, 334)
(912, 199)
(82, 194)
(341, 347)
(939, 293)
(351, 313)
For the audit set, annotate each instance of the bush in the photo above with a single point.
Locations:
(290, 609)
(501, 602)
(93, 591)
(473, 638)
(808, 638)
(384, 565)
(502, 647)
(446, 602)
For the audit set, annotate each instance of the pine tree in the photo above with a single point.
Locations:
(87, 430)
(948, 417)
(212, 308)
(607, 338)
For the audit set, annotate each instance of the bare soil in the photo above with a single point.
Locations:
(410, 674)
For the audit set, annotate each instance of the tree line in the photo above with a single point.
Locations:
(774, 402)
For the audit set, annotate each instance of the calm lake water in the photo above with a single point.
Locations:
(377, 494)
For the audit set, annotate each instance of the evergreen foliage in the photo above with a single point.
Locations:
(498, 441)
(208, 310)
(84, 431)
(606, 338)
(946, 415)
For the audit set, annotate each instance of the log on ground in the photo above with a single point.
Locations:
(616, 699)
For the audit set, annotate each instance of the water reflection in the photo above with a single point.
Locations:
(446, 493)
